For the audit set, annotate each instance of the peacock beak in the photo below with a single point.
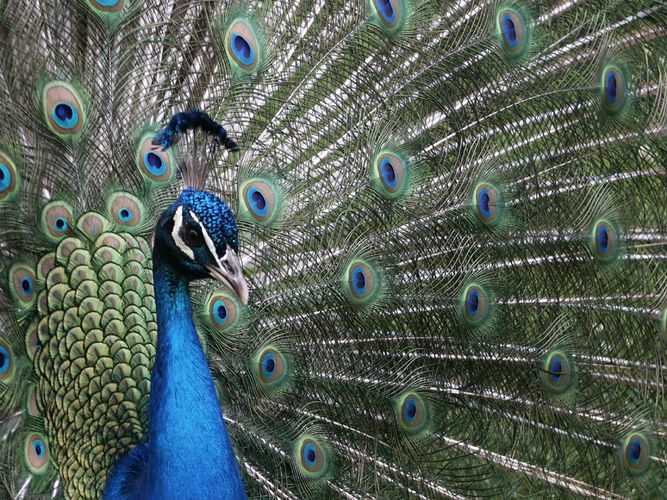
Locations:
(228, 271)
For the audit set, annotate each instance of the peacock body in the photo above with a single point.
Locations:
(450, 217)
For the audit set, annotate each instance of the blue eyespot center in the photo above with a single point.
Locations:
(61, 224)
(509, 30)
(154, 163)
(269, 365)
(473, 302)
(4, 360)
(410, 410)
(65, 115)
(485, 203)
(125, 215)
(257, 202)
(603, 240)
(359, 281)
(26, 285)
(634, 451)
(556, 369)
(107, 3)
(388, 173)
(386, 10)
(5, 177)
(64, 111)
(309, 455)
(242, 49)
(38, 446)
(221, 312)
(612, 87)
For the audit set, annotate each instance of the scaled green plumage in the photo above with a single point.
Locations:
(452, 221)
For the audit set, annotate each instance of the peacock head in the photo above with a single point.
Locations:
(198, 235)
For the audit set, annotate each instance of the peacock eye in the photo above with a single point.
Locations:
(192, 237)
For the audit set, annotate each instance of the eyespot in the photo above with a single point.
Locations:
(242, 46)
(488, 204)
(361, 282)
(270, 366)
(389, 13)
(32, 342)
(63, 109)
(475, 305)
(107, 6)
(36, 453)
(605, 241)
(637, 450)
(125, 209)
(153, 163)
(259, 200)
(312, 457)
(22, 284)
(92, 224)
(6, 361)
(223, 311)
(391, 172)
(9, 178)
(512, 29)
(613, 88)
(557, 372)
(411, 413)
(56, 219)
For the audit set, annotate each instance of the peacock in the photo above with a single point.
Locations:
(324, 248)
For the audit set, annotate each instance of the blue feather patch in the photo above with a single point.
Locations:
(636, 451)
(223, 311)
(312, 456)
(243, 46)
(475, 305)
(513, 31)
(557, 372)
(261, 201)
(63, 109)
(488, 203)
(613, 89)
(270, 367)
(390, 14)
(36, 453)
(9, 178)
(22, 284)
(391, 174)
(411, 412)
(6, 361)
(361, 282)
(605, 241)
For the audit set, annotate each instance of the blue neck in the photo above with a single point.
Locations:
(188, 447)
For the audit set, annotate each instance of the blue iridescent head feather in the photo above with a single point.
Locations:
(198, 237)
(214, 214)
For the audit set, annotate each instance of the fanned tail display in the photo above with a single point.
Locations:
(451, 218)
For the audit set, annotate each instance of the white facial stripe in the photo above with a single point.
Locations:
(178, 222)
(208, 240)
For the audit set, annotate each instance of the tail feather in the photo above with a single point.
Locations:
(451, 220)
